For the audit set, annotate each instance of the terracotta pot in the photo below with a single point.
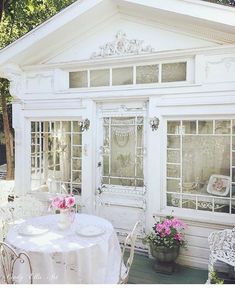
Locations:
(164, 254)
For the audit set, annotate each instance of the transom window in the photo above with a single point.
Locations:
(123, 151)
(141, 74)
(201, 165)
(56, 157)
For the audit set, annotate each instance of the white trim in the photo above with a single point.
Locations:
(223, 17)
(125, 60)
(206, 218)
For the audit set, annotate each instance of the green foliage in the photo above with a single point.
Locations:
(20, 17)
(215, 279)
(223, 2)
(168, 232)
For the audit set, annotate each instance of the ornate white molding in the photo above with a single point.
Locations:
(122, 46)
(13, 73)
(227, 61)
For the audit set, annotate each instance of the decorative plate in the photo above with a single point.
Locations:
(31, 230)
(90, 231)
(218, 185)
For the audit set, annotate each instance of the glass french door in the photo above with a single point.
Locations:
(121, 168)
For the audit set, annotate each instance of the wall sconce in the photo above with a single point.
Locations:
(85, 124)
(154, 123)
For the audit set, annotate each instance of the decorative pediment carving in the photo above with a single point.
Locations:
(122, 46)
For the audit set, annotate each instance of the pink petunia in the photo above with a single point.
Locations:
(159, 228)
(167, 231)
(167, 223)
(178, 237)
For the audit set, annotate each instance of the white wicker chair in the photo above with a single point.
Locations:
(126, 266)
(222, 248)
(9, 259)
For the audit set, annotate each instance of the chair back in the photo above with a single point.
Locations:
(5, 220)
(9, 259)
(7, 189)
(130, 240)
(25, 207)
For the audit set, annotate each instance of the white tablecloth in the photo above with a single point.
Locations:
(60, 257)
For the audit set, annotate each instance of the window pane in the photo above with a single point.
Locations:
(55, 163)
(123, 163)
(173, 185)
(147, 74)
(173, 127)
(204, 156)
(173, 156)
(173, 171)
(173, 141)
(222, 126)
(78, 79)
(188, 201)
(205, 127)
(99, 77)
(173, 200)
(189, 127)
(122, 76)
(174, 72)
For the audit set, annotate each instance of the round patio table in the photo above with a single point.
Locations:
(74, 255)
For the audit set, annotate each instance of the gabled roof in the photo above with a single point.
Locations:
(200, 16)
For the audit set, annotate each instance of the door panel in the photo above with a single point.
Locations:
(121, 185)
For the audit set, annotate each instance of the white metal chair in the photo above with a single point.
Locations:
(6, 189)
(126, 266)
(5, 220)
(25, 207)
(222, 249)
(9, 259)
(18, 211)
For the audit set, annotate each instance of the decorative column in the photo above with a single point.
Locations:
(14, 74)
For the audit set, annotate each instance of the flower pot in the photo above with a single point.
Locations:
(164, 254)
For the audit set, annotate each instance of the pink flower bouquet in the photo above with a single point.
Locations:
(168, 232)
(63, 202)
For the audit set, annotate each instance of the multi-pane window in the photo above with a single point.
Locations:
(140, 74)
(123, 151)
(201, 165)
(56, 157)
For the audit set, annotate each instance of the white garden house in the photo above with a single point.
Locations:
(130, 106)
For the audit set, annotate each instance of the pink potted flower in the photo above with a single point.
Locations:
(166, 239)
(65, 205)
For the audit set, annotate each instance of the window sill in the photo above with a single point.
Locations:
(199, 216)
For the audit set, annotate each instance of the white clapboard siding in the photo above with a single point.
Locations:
(197, 253)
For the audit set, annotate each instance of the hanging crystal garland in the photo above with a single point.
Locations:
(122, 135)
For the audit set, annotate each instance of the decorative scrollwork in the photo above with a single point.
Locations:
(222, 248)
(122, 46)
(9, 259)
